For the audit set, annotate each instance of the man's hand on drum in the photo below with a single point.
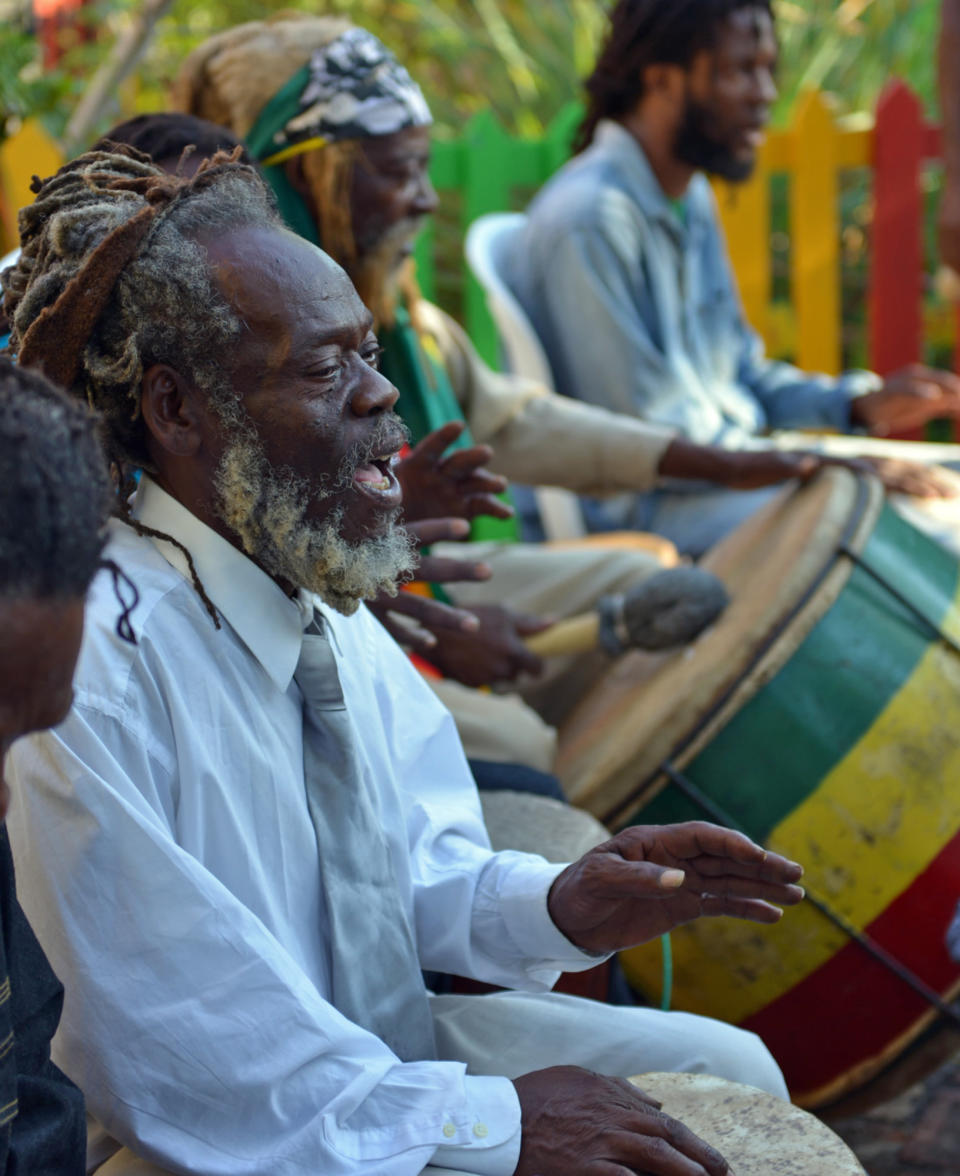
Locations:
(577, 1122)
(908, 399)
(416, 621)
(457, 485)
(649, 879)
(737, 469)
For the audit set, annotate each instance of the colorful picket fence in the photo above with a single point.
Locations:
(492, 172)
(487, 170)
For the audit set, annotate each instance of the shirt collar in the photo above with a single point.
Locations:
(265, 619)
(614, 139)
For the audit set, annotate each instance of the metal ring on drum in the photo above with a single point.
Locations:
(821, 715)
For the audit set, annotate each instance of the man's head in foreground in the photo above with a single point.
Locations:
(54, 503)
(340, 130)
(228, 358)
(698, 72)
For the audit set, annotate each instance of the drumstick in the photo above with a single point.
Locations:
(671, 608)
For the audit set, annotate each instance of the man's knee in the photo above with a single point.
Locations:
(741, 1056)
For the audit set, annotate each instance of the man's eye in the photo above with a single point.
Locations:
(371, 355)
(329, 371)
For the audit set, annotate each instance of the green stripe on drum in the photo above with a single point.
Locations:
(780, 745)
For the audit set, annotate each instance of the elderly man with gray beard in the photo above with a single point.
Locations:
(257, 825)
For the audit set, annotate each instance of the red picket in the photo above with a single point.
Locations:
(896, 271)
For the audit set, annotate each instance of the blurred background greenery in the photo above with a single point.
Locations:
(522, 59)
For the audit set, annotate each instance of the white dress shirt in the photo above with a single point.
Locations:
(167, 860)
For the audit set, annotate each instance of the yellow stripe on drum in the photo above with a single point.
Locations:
(876, 822)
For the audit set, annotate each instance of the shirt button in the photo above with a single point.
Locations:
(449, 1130)
(480, 1130)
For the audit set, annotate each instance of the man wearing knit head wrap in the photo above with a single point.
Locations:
(257, 826)
(342, 133)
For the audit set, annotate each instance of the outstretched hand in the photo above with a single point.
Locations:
(650, 879)
(494, 652)
(434, 485)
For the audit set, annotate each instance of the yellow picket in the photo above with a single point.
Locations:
(815, 235)
(30, 152)
(745, 214)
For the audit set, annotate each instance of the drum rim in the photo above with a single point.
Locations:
(864, 512)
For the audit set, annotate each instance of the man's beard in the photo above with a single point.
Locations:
(696, 144)
(377, 270)
(266, 507)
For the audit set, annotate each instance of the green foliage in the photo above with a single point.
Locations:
(520, 59)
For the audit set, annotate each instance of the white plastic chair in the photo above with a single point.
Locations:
(489, 240)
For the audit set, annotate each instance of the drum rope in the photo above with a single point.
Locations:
(685, 785)
(921, 616)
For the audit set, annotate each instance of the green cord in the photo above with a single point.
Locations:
(666, 953)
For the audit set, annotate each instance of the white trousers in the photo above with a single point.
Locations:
(512, 1033)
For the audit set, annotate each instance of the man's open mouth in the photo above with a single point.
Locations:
(377, 480)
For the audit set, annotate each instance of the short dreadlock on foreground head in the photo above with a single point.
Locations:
(55, 494)
(111, 279)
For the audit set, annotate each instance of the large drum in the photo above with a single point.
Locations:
(821, 716)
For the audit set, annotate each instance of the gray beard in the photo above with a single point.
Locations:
(266, 508)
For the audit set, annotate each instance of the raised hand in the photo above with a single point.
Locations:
(650, 879)
(577, 1123)
(435, 486)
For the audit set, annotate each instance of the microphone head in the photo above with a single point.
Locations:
(671, 608)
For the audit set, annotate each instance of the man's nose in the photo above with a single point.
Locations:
(766, 88)
(425, 198)
(373, 394)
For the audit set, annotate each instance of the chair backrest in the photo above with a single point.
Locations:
(489, 241)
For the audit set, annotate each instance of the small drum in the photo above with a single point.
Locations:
(758, 1134)
(821, 715)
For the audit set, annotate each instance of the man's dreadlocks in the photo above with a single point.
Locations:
(112, 279)
(55, 493)
(644, 33)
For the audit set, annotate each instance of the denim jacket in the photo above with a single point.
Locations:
(636, 305)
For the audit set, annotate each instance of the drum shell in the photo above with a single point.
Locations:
(846, 759)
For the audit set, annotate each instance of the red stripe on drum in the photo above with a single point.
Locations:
(865, 1015)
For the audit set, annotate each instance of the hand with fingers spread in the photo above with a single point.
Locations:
(650, 879)
(434, 485)
(908, 399)
(494, 652)
(577, 1123)
(414, 620)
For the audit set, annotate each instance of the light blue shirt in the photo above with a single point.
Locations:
(638, 310)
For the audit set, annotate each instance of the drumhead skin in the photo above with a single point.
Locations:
(758, 1134)
(824, 719)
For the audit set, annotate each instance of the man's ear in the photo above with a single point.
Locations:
(171, 411)
(665, 80)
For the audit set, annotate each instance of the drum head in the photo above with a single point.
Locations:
(757, 1134)
(782, 573)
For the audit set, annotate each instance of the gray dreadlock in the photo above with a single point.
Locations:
(111, 279)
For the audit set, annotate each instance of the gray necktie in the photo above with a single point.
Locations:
(376, 975)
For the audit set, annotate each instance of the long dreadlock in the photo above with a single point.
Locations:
(644, 33)
(111, 279)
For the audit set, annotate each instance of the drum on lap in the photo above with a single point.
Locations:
(756, 1133)
(822, 716)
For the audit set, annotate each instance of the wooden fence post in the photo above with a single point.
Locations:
(896, 248)
(814, 216)
(745, 215)
(29, 152)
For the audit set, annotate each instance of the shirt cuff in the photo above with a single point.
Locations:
(523, 905)
(495, 1111)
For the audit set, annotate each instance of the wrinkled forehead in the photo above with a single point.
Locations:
(279, 284)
